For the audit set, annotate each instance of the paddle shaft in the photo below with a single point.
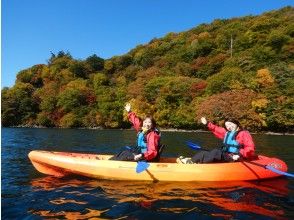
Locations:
(256, 164)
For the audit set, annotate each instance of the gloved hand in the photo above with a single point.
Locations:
(235, 157)
(128, 107)
(203, 120)
(138, 157)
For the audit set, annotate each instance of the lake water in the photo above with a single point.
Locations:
(28, 194)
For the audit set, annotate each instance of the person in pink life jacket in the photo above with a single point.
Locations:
(148, 139)
(237, 144)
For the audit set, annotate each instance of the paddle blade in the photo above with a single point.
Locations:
(128, 147)
(141, 166)
(278, 171)
(193, 145)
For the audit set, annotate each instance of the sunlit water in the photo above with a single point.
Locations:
(27, 194)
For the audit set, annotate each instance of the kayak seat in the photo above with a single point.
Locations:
(160, 150)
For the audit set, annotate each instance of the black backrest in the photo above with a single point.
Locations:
(160, 150)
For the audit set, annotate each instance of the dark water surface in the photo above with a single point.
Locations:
(27, 194)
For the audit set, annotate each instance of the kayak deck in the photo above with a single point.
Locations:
(98, 166)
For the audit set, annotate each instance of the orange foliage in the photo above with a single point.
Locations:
(235, 104)
(149, 73)
(161, 62)
(90, 98)
(192, 37)
(264, 78)
(281, 99)
(219, 58)
(260, 103)
(135, 89)
(141, 108)
(197, 88)
(57, 115)
(199, 62)
(204, 35)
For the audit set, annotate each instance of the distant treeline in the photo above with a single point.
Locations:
(177, 79)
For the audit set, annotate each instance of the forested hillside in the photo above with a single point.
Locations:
(177, 79)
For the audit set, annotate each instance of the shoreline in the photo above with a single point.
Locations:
(204, 131)
(163, 129)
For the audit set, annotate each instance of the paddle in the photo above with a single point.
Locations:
(271, 169)
(268, 167)
(142, 166)
(128, 147)
(194, 146)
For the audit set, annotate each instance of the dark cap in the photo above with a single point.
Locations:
(234, 121)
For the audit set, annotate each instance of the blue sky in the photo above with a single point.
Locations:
(31, 29)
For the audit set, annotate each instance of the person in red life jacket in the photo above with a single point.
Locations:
(237, 143)
(148, 139)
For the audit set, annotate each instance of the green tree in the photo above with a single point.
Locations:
(60, 62)
(18, 105)
(276, 39)
(70, 120)
(95, 63)
(44, 119)
(73, 96)
(263, 55)
(69, 99)
(227, 79)
(79, 69)
(32, 75)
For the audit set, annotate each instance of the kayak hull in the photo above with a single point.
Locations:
(98, 166)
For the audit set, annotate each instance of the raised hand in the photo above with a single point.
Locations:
(203, 120)
(128, 107)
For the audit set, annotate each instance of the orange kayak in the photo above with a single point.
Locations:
(98, 166)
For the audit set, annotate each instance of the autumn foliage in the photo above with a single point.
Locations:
(177, 78)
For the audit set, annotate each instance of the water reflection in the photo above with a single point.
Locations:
(81, 198)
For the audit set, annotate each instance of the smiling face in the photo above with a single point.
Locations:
(230, 126)
(147, 124)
